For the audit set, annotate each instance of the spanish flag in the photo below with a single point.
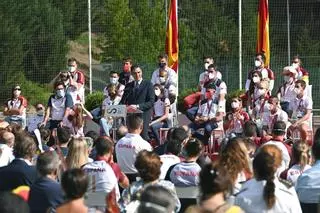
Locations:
(172, 44)
(263, 44)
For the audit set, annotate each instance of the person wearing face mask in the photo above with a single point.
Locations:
(59, 105)
(15, 107)
(163, 64)
(258, 89)
(161, 110)
(35, 120)
(302, 74)
(125, 76)
(209, 115)
(266, 73)
(273, 114)
(259, 102)
(76, 82)
(286, 90)
(300, 110)
(113, 85)
(237, 118)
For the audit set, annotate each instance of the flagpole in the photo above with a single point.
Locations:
(89, 37)
(288, 29)
(240, 45)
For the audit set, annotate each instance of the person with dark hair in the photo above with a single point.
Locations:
(302, 74)
(125, 76)
(148, 165)
(308, 184)
(156, 199)
(15, 107)
(59, 105)
(12, 203)
(265, 192)
(278, 139)
(215, 187)
(76, 81)
(63, 138)
(129, 146)
(105, 148)
(20, 171)
(300, 111)
(251, 131)
(186, 173)
(74, 183)
(170, 157)
(46, 192)
(163, 64)
(139, 95)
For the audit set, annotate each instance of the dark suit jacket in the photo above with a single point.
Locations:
(17, 173)
(142, 96)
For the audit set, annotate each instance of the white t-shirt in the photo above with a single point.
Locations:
(270, 119)
(33, 122)
(127, 149)
(6, 155)
(159, 107)
(300, 106)
(204, 75)
(287, 92)
(167, 161)
(101, 177)
(172, 76)
(294, 172)
(185, 174)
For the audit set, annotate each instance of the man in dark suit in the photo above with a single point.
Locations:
(139, 95)
(20, 171)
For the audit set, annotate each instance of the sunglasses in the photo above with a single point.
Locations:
(17, 89)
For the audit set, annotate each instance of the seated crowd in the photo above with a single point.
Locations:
(264, 161)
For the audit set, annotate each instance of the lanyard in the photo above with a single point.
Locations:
(209, 107)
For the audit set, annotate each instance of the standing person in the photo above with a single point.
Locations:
(265, 192)
(74, 183)
(129, 146)
(59, 105)
(303, 74)
(46, 191)
(76, 81)
(139, 95)
(125, 76)
(163, 64)
(300, 110)
(15, 107)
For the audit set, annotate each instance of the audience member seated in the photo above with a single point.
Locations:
(300, 111)
(301, 160)
(209, 116)
(259, 102)
(265, 192)
(308, 184)
(234, 157)
(156, 199)
(163, 64)
(286, 90)
(46, 192)
(59, 105)
(15, 107)
(76, 119)
(78, 154)
(12, 203)
(170, 157)
(6, 148)
(74, 183)
(63, 138)
(20, 171)
(129, 146)
(105, 148)
(302, 73)
(278, 139)
(215, 187)
(186, 173)
(236, 119)
(35, 120)
(251, 131)
(274, 114)
(148, 165)
(161, 110)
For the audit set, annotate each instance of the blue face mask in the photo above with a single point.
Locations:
(60, 93)
(162, 65)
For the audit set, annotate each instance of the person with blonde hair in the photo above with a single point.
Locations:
(78, 153)
(265, 192)
(235, 158)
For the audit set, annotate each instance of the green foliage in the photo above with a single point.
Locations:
(234, 94)
(94, 100)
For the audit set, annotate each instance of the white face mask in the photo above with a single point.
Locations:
(295, 65)
(16, 93)
(288, 79)
(261, 92)
(162, 80)
(235, 105)
(60, 93)
(114, 80)
(211, 76)
(157, 92)
(257, 63)
(256, 79)
(72, 69)
(297, 90)
(206, 65)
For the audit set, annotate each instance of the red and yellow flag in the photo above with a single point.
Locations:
(263, 44)
(172, 44)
